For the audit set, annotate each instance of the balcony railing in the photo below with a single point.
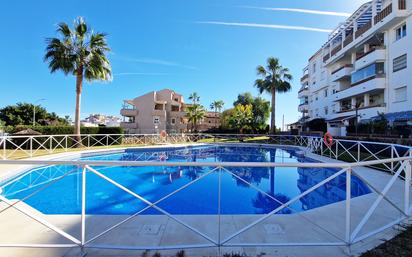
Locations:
(326, 57)
(304, 77)
(346, 109)
(348, 39)
(382, 14)
(343, 67)
(361, 55)
(336, 49)
(363, 29)
(402, 4)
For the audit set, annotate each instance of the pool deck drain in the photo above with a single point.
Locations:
(323, 224)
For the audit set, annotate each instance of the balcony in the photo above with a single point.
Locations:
(129, 112)
(128, 125)
(303, 107)
(159, 113)
(336, 49)
(304, 78)
(326, 57)
(343, 72)
(384, 13)
(363, 29)
(348, 39)
(364, 112)
(372, 56)
(303, 92)
(365, 86)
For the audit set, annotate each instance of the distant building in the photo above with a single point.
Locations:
(154, 112)
(95, 120)
(161, 110)
(364, 68)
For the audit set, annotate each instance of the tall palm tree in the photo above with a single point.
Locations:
(194, 97)
(195, 113)
(274, 79)
(217, 106)
(81, 52)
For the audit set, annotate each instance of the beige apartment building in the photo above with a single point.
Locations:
(154, 112)
(162, 110)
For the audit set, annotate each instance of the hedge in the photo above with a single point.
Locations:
(61, 141)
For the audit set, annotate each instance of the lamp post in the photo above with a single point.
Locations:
(34, 110)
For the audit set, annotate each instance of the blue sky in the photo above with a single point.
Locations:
(209, 46)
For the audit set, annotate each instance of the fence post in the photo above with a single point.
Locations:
(392, 150)
(31, 146)
(359, 157)
(83, 214)
(408, 171)
(4, 148)
(337, 149)
(65, 143)
(348, 205)
(219, 211)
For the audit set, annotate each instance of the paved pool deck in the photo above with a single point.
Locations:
(323, 224)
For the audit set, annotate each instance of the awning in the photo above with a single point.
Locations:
(396, 116)
(341, 119)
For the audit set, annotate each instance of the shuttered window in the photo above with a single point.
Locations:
(400, 63)
(401, 94)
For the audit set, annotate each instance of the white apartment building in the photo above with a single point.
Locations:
(364, 68)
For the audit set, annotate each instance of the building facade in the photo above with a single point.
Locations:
(363, 69)
(154, 112)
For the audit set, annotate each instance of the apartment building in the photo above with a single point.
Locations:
(363, 68)
(154, 112)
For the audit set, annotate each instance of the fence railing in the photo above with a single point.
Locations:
(19, 147)
(353, 218)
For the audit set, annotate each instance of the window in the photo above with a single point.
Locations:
(401, 94)
(156, 120)
(314, 68)
(400, 32)
(173, 121)
(326, 110)
(400, 63)
(325, 93)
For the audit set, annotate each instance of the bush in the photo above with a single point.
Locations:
(44, 142)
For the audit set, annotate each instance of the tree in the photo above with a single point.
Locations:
(241, 117)
(22, 114)
(195, 113)
(194, 97)
(217, 107)
(80, 52)
(274, 79)
(260, 109)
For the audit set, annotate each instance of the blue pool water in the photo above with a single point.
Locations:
(63, 196)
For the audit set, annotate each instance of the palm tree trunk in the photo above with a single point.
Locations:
(79, 85)
(273, 113)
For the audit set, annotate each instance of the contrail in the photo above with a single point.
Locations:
(268, 26)
(341, 14)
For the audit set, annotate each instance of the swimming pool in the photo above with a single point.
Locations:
(63, 196)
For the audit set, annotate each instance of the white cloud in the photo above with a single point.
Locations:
(319, 12)
(268, 26)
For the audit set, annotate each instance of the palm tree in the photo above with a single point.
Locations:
(195, 113)
(81, 52)
(217, 107)
(275, 79)
(194, 97)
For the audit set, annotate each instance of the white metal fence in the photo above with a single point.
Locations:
(394, 158)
